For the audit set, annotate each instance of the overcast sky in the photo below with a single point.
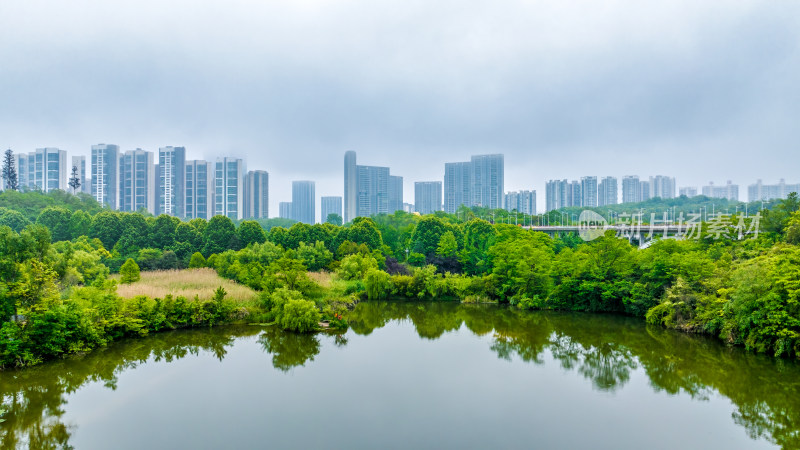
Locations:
(700, 90)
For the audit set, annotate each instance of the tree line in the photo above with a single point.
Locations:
(54, 271)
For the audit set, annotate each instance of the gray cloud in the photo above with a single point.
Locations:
(700, 90)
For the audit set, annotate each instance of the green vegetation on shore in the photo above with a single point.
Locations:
(57, 295)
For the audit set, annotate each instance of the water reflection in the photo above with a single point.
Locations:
(289, 349)
(605, 350)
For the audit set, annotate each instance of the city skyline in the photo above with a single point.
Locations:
(584, 189)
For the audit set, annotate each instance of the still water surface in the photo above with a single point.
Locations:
(410, 375)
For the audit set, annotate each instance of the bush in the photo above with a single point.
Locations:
(378, 284)
(300, 315)
(197, 261)
(354, 267)
(129, 272)
(416, 259)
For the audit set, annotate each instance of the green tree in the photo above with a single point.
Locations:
(279, 236)
(135, 234)
(79, 224)
(354, 267)
(74, 180)
(186, 232)
(334, 219)
(377, 283)
(9, 173)
(250, 232)
(57, 220)
(793, 230)
(219, 235)
(427, 235)
(479, 236)
(199, 224)
(315, 257)
(13, 219)
(129, 272)
(448, 247)
(197, 261)
(300, 315)
(299, 232)
(287, 272)
(364, 231)
(162, 236)
(106, 227)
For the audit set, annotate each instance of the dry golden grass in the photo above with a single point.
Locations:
(323, 279)
(188, 283)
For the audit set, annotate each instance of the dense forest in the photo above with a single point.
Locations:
(58, 253)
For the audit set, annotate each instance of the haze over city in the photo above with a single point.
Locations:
(695, 90)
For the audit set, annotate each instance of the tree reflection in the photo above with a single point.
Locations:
(288, 349)
(35, 397)
(604, 349)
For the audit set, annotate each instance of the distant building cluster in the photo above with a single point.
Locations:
(588, 192)
(166, 182)
(478, 182)
(159, 183)
(369, 190)
(760, 191)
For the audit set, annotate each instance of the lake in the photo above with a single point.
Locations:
(411, 375)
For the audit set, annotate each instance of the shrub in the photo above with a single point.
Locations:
(416, 259)
(353, 267)
(378, 284)
(130, 272)
(197, 261)
(300, 315)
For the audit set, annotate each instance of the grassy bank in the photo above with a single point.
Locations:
(191, 283)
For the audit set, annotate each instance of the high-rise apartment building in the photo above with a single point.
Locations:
(256, 195)
(729, 191)
(350, 186)
(199, 189)
(285, 210)
(562, 194)
(79, 162)
(105, 166)
(631, 189)
(645, 193)
(662, 186)
(589, 191)
(428, 196)
(457, 187)
(330, 205)
(487, 181)
(369, 190)
(21, 163)
(229, 187)
(171, 181)
(373, 191)
(521, 201)
(574, 196)
(479, 182)
(607, 191)
(760, 191)
(395, 194)
(137, 181)
(688, 191)
(303, 202)
(46, 170)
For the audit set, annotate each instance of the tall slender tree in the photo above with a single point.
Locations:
(74, 180)
(9, 171)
